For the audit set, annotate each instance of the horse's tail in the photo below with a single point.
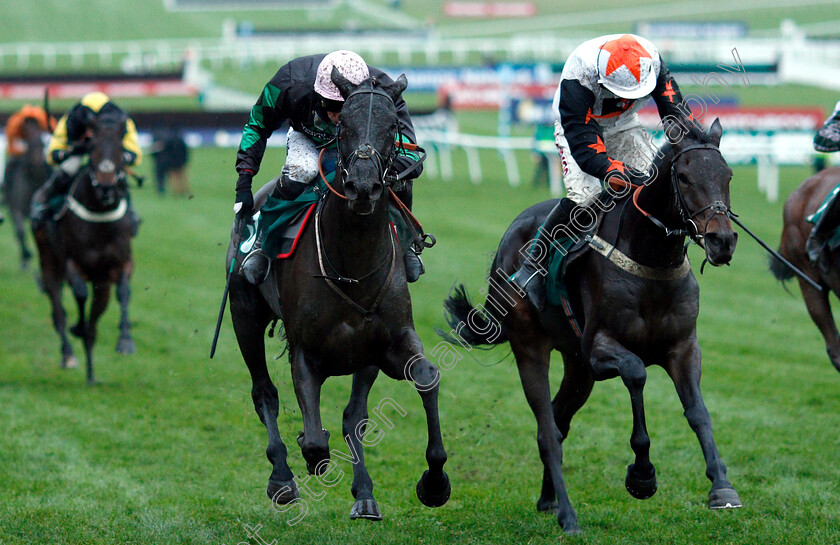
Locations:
(781, 271)
(470, 325)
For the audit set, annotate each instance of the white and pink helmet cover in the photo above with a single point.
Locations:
(351, 66)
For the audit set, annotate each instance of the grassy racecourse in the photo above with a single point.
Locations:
(167, 448)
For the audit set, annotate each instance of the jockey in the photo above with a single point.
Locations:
(826, 140)
(16, 146)
(302, 94)
(69, 145)
(604, 83)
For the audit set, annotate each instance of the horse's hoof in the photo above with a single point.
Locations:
(570, 526)
(433, 496)
(282, 492)
(547, 506)
(69, 362)
(639, 485)
(365, 509)
(724, 498)
(126, 346)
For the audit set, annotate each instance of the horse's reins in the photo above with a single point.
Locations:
(687, 217)
(365, 151)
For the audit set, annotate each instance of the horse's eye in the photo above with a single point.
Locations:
(683, 179)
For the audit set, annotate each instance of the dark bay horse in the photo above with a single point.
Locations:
(636, 304)
(803, 202)
(345, 307)
(27, 174)
(90, 242)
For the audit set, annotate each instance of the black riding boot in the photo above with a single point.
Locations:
(256, 264)
(58, 184)
(8, 179)
(411, 257)
(531, 274)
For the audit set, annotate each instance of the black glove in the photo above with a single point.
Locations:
(244, 206)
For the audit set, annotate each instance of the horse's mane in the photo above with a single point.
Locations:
(695, 133)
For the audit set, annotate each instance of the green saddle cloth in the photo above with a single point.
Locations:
(834, 239)
(555, 285)
(277, 214)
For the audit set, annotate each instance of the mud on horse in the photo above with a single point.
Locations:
(345, 307)
(635, 302)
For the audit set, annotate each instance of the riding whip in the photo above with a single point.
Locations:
(774, 253)
(237, 238)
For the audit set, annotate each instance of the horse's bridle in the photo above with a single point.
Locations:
(686, 215)
(366, 150)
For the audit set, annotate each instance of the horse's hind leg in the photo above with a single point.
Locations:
(532, 360)
(250, 316)
(819, 308)
(404, 360)
(608, 359)
(354, 426)
(125, 344)
(572, 394)
(683, 366)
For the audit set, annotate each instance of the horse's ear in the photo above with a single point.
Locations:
(715, 132)
(345, 86)
(396, 89)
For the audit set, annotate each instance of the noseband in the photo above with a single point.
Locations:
(366, 150)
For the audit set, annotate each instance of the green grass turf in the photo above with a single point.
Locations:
(167, 448)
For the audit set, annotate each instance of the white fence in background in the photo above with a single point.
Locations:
(798, 58)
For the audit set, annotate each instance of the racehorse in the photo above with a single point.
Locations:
(345, 307)
(803, 202)
(633, 302)
(90, 242)
(27, 174)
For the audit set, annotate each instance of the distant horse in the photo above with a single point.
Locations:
(803, 202)
(27, 174)
(345, 306)
(635, 303)
(91, 242)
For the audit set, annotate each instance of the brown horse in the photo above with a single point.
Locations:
(635, 303)
(90, 242)
(346, 309)
(25, 175)
(803, 202)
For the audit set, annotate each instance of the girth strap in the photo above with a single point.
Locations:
(622, 261)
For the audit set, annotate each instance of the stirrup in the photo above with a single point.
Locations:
(255, 267)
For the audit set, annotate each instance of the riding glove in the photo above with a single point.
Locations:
(244, 206)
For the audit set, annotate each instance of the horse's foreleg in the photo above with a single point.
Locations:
(354, 427)
(683, 366)
(125, 344)
(250, 316)
(101, 296)
(819, 308)
(314, 441)
(20, 232)
(404, 359)
(572, 394)
(608, 359)
(80, 293)
(51, 284)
